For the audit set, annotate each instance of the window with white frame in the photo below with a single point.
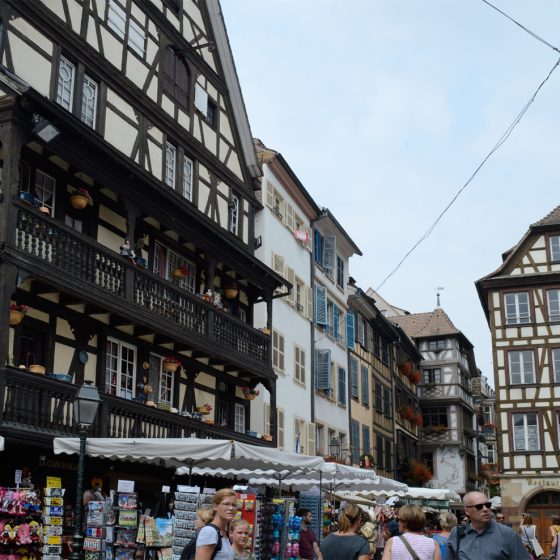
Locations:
(170, 165)
(299, 363)
(487, 414)
(165, 385)
(239, 418)
(299, 289)
(517, 308)
(65, 84)
(555, 353)
(339, 272)
(233, 220)
(120, 366)
(553, 300)
(117, 20)
(491, 453)
(555, 247)
(277, 351)
(299, 435)
(521, 366)
(526, 432)
(188, 178)
(136, 38)
(89, 101)
(45, 190)
(431, 376)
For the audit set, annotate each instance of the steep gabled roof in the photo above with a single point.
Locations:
(427, 325)
(551, 219)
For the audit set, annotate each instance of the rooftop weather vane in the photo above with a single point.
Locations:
(439, 289)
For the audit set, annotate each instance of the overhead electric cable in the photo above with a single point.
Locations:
(498, 144)
(532, 33)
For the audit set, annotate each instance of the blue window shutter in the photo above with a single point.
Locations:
(354, 377)
(317, 247)
(320, 297)
(336, 325)
(365, 385)
(350, 330)
(355, 441)
(341, 385)
(329, 252)
(323, 369)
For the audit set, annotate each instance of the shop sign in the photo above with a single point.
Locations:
(543, 482)
(436, 504)
(18, 477)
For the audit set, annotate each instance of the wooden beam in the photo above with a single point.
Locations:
(41, 288)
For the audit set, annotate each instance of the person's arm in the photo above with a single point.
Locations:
(437, 551)
(204, 552)
(316, 550)
(517, 549)
(387, 550)
(207, 540)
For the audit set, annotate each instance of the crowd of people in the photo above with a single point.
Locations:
(402, 533)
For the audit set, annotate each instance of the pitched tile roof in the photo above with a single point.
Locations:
(419, 325)
(551, 219)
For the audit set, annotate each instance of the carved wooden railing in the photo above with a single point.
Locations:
(44, 407)
(445, 391)
(80, 258)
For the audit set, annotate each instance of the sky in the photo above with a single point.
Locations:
(385, 108)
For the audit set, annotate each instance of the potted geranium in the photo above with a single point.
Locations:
(81, 198)
(249, 393)
(17, 313)
(170, 364)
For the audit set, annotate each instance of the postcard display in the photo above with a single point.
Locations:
(20, 525)
(52, 519)
(187, 500)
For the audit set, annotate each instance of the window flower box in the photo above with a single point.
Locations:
(81, 199)
(170, 364)
(17, 313)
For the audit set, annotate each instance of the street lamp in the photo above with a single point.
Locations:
(334, 448)
(85, 408)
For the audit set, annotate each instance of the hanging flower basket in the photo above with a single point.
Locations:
(81, 199)
(17, 313)
(249, 393)
(170, 364)
(407, 367)
(415, 377)
(36, 368)
(181, 272)
(231, 290)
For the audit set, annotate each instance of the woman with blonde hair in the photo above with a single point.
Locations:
(411, 544)
(527, 531)
(346, 542)
(447, 521)
(239, 533)
(202, 517)
(212, 542)
(554, 530)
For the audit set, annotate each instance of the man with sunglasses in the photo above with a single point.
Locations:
(482, 538)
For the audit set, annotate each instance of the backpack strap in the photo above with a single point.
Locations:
(219, 543)
(409, 548)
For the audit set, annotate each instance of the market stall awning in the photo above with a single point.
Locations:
(421, 496)
(1, 443)
(335, 476)
(171, 451)
(248, 460)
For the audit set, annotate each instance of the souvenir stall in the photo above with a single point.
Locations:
(273, 521)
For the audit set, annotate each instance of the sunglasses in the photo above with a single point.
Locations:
(487, 505)
(500, 518)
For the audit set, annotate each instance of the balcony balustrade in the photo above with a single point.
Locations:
(58, 251)
(43, 407)
(446, 391)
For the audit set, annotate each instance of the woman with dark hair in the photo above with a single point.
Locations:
(527, 531)
(411, 541)
(346, 542)
(554, 530)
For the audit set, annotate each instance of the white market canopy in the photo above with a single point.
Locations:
(216, 457)
(335, 476)
(1, 443)
(414, 494)
(248, 460)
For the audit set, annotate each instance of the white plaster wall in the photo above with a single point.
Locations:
(449, 469)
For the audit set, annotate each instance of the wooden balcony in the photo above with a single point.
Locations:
(34, 407)
(445, 392)
(62, 257)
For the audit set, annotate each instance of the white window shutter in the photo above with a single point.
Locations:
(323, 369)
(278, 264)
(309, 242)
(309, 302)
(329, 253)
(281, 438)
(269, 194)
(320, 304)
(289, 217)
(201, 99)
(291, 278)
(266, 413)
(311, 438)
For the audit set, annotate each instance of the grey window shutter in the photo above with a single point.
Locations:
(320, 297)
(350, 336)
(354, 377)
(323, 368)
(329, 253)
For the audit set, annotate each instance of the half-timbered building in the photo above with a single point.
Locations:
(449, 427)
(521, 300)
(127, 222)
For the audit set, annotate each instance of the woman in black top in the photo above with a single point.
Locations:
(346, 542)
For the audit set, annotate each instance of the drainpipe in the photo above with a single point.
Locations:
(393, 411)
(312, 325)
